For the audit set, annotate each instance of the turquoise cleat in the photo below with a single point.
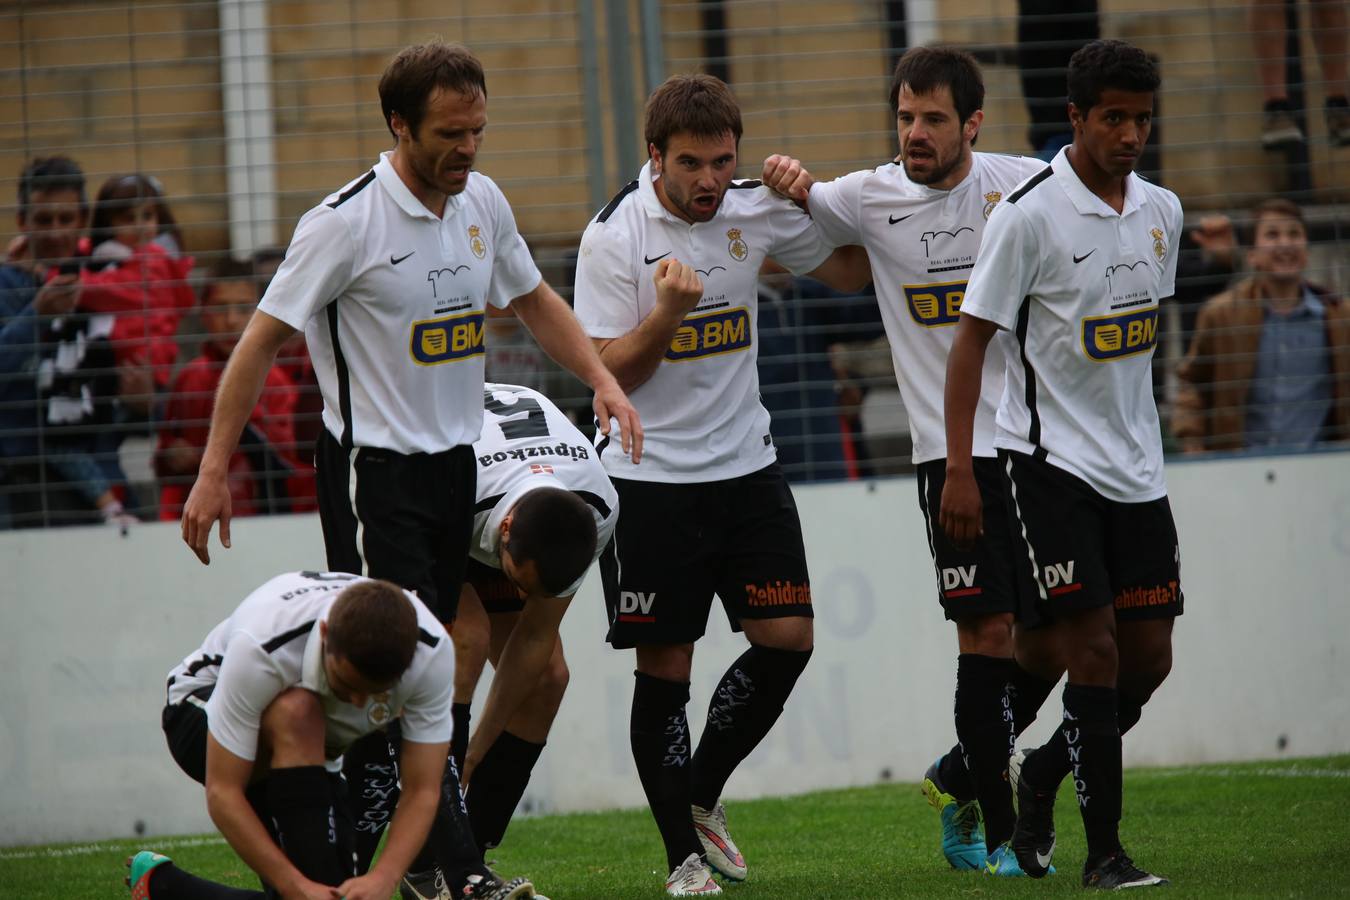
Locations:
(962, 827)
(1003, 862)
(141, 865)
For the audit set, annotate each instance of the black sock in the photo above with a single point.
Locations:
(301, 804)
(1026, 696)
(459, 738)
(1093, 740)
(659, 733)
(1047, 769)
(748, 700)
(984, 725)
(1128, 712)
(450, 844)
(954, 776)
(371, 770)
(168, 882)
(498, 784)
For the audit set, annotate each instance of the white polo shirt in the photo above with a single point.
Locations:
(271, 643)
(702, 419)
(922, 243)
(1079, 285)
(392, 299)
(529, 443)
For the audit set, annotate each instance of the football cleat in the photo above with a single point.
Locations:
(1118, 872)
(718, 846)
(1033, 840)
(428, 885)
(962, 831)
(490, 887)
(138, 877)
(692, 879)
(1003, 862)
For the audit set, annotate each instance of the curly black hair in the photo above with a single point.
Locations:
(1105, 65)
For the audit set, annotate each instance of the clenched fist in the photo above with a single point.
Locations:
(678, 286)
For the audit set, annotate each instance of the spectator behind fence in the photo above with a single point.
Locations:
(136, 273)
(1269, 27)
(1269, 365)
(262, 468)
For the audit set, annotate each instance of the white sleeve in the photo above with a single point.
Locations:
(249, 681)
(798, 243)
(426, 714)
(606, 292)
(317, 268)
(513, 270)
(1008, 263)
(836, 206)
(1167, 285)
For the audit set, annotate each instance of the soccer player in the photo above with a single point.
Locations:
(389, 277)
(262, 711)
(920, 219)
(1075, 264)
(666, 285)
(545, 507)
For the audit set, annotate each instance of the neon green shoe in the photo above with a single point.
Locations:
(962, 826)
(141, 865)
(1003, 862)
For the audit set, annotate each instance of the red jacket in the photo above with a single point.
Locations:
(149, 292)
(188, 416)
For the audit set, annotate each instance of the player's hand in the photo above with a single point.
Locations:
(371, 886)
(962, 515)
(788, 177)
(678, 286)
(611, 403)
(208, 501)
(58, 296)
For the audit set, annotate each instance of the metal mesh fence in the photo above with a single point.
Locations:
(247, 112)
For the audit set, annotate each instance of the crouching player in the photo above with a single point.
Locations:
(261, 713)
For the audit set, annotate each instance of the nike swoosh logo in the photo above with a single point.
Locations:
(1078, 259)
(652, 259)
(1043, 859)
(394, 262)
(895, 221)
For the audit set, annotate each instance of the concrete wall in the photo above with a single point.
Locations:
(90, 623)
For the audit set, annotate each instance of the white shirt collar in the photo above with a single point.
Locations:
(313, 676)
(1084, 200)
(393, 184)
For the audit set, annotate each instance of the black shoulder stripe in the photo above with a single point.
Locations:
(427, 637)
(1035, 180)
(352, 191)
(487, 503)
(282, 640)
(618, 198)
(596, 503)
(745, 185)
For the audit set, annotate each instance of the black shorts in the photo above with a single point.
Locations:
(978, 581)
(1079, 550)
(408, 521)
(678, 544)
(495, 591)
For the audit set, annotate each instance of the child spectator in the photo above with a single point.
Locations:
(260, 469)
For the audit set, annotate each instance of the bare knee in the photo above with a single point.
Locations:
(292, 728)
(669, 662)
(792, 633)
(1145, 657)
(987, 635)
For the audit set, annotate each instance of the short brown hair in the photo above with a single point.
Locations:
(1277, 206)
(698, 104)
(228, 268)
(373, 626)
(412, 75)
(927, 69)
(556, 529)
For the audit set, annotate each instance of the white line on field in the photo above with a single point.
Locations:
(110, 846)
(1222, 772)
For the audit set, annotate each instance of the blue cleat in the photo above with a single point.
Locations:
(1003, 862)
(962, 831)
(141, 865)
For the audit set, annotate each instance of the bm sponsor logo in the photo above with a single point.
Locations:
(724, 331)
(935, 305)
(450, 339)
(1118, 336)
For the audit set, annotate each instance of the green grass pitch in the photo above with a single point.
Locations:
(1276, 829)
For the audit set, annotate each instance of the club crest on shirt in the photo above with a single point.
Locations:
(476, 242)
(378, 711)
(990, 201)
(736, 247)
(1159, 248)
